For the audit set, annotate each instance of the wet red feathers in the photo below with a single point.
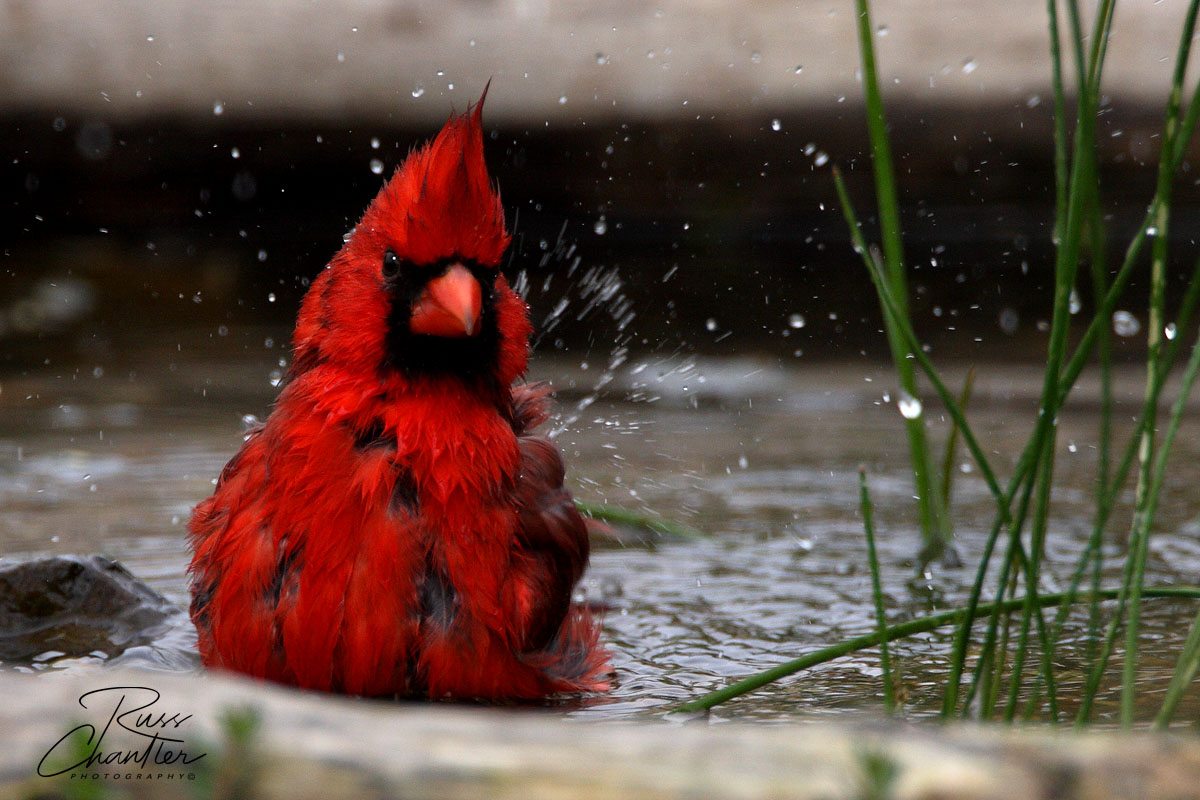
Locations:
(396, 526)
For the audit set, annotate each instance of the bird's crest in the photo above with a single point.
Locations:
(441, 203)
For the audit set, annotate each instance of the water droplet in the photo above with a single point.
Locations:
(218, 108)
(149, 38)
(376, 166)
(799, 69)
(235, 153)
(743, 462)
(821, 159)
(1170, 331)
(601, 58)
(883, 30)
(271, 297)
(1074, 304)
(711, 324)
(600, 226)
(562, 101)
(374, 142)
(910, 407)
(1072, 447)
(262, 255)
(1009, 320)
(756, 57)
(341, 57)
(1152, 231)
(776, 125)
(969, 66)
(1125, 324)
(418, 91)
(796, 321)
(59, 124)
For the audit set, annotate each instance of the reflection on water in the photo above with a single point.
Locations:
(761, 457)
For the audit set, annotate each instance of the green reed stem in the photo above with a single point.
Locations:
(1076, 203)
(964, 399)
(995, 675)
(1041, 511)
(1013, 554)
(914, 349)
(1185, 672)
(1003, 499)
(1061, 168)
(1147, 495)
(892, 633)
(1135, 564)
(623, 516)
(889, 686)
(1184, 665)
(1026, 460)
(935, 525)
(1053, 391)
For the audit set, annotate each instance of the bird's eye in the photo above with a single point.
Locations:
(391, 264)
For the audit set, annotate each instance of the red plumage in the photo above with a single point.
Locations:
(397, 526)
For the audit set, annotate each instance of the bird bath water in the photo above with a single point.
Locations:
(761, 456)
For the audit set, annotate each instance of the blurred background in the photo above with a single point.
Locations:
(180, 170)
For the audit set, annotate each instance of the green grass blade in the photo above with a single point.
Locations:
(891, 634)
(935, 525)
(1185, 673)
(1147, 493)
(1135, 564)
(892, 310)
(623, 516)
(951, 452)
(889, 685)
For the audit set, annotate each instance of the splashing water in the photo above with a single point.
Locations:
(1125, 324)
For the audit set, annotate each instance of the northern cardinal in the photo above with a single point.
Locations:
(397, 526)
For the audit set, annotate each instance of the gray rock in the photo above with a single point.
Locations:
(76, 605)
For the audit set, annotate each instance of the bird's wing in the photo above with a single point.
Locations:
(552, 541)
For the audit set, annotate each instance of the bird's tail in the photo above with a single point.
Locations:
(574, 661)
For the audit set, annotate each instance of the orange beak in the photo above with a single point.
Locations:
(449, 305)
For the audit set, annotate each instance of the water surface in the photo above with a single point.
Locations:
(761, 456)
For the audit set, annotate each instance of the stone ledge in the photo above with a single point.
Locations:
(313, 746)
(557, 62)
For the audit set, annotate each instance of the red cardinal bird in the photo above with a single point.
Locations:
(397, 526)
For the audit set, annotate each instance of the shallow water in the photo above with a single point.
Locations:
(763, 457)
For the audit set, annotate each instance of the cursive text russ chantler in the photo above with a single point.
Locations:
(137, 737)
